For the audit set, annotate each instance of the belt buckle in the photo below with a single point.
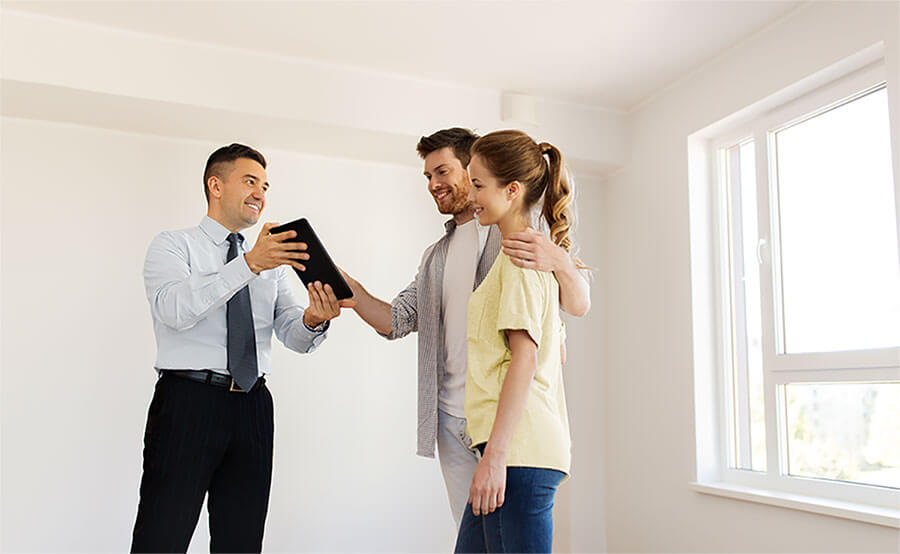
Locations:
(234, 387)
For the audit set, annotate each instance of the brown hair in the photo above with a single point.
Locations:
(220, 161)
(514, 156)
(457, 138)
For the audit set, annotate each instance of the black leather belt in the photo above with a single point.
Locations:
(211, 378)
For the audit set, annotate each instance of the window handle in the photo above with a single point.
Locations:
(759, 246)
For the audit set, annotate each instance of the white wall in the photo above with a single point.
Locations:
(61, 62)
(649, 440)
(79, 207)
(582, 506)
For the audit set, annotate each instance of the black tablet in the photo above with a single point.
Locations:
(319, 266)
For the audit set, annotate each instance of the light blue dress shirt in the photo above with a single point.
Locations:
(188, 285)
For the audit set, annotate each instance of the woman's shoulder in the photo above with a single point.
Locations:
(510, 272)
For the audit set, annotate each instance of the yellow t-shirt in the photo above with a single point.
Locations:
(514, 298)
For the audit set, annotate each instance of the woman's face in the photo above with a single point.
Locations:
(489, 196)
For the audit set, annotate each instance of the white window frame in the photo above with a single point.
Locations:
(712, 325)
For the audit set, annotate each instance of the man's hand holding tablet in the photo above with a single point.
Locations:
(273, 250)
(328, 292)
(323, 304)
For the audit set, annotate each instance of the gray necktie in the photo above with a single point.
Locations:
(241, 335)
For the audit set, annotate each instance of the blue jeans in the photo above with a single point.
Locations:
(525, 521)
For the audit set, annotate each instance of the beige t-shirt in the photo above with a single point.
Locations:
(514, 298)
(465, 248)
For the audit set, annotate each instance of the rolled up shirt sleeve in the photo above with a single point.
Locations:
(405, 306)
(179, 298)
(404, 313)
(522, 301)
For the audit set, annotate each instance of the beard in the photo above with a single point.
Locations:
(456, 202)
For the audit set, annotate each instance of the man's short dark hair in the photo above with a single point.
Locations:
(457, 138)
(219, 162)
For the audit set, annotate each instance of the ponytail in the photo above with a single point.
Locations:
(557, 198)
(557, 209)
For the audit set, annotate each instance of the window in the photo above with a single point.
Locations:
(748, 424)
(840, 286)
(844, 432)
(805, 281)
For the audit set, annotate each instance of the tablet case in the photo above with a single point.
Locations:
(319, 266)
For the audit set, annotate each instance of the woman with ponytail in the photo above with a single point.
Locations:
(515, 403)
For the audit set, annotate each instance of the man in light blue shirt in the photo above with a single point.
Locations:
(215, 303)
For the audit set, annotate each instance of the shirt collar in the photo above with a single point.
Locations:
(450, 225)
(215, 230)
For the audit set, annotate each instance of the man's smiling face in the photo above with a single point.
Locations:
(243, 193)
(448, 181)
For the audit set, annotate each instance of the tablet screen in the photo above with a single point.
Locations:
(319, 266)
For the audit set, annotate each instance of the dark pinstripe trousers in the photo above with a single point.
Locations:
(204, 439)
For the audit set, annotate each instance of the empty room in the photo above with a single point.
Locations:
(231, 234)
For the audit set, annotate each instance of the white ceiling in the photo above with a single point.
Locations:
(613, 54)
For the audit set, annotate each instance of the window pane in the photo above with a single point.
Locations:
(749, 420)
(840, 276)
(845, 431)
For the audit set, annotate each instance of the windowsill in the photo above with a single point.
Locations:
(847, 510)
